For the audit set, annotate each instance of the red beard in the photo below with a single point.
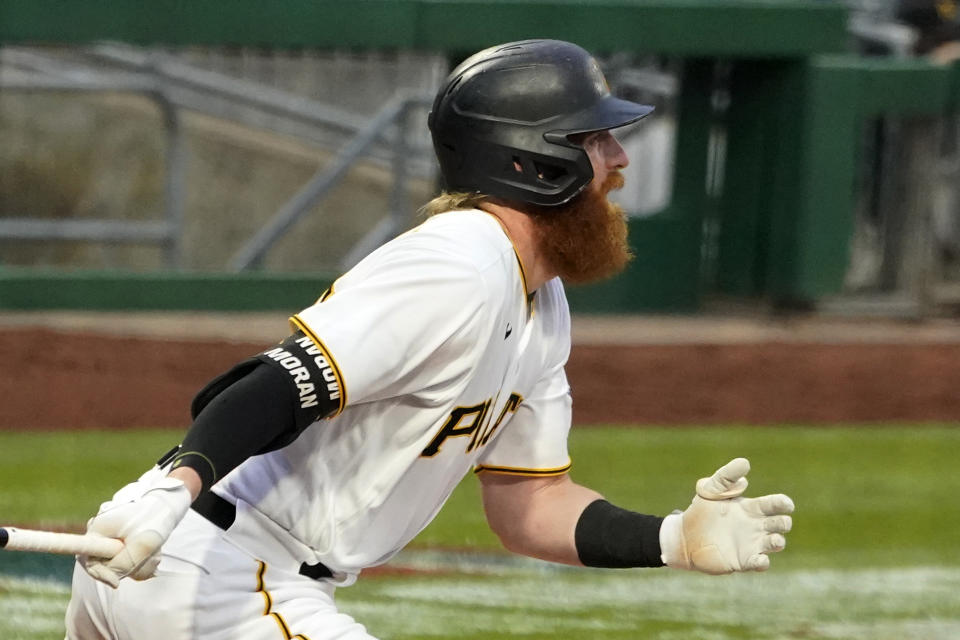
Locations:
(585, 240)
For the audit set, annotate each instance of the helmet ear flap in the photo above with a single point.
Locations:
(550, 173)
(541, 179)
(543, 172)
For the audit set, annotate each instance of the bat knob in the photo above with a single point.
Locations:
(4, 537)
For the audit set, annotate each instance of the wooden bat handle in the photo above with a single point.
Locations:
(13, 539)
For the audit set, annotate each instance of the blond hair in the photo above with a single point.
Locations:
(457, 201)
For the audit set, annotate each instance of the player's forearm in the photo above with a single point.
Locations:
(551, 535)
(558, 520)
(537, 517)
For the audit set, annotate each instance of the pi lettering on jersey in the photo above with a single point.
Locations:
(311, 372)
(471, 421)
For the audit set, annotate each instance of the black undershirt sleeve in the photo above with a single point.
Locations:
(254, 415)
(611, 537)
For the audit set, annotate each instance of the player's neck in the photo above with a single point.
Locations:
(519, 227)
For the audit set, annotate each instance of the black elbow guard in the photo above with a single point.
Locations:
(260, 405)
(313, 374)
(216, 386)
(314, 379)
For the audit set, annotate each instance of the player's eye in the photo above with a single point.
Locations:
(587, 140)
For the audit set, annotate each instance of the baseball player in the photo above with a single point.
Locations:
(439, 354)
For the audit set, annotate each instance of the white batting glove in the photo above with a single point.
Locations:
(722, 532)
(142, 515)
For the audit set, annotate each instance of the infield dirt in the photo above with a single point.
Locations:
(110, 371)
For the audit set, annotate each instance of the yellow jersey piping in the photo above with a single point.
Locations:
(522, 471)
(300, 324)
(326, 294)
(268, 606)
(523, 271)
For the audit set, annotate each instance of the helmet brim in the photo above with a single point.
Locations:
(609, 113)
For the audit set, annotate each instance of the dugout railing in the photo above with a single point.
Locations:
(165, 232)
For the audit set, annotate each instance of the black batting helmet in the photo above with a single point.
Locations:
(516, 104)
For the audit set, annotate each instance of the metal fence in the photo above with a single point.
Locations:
(356, 107)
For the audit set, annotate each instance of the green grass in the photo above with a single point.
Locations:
(59, 479)
(873, 553)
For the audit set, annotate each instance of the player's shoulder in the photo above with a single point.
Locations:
(461, 237)
(468, 248)
(470, 238)
(472, 234)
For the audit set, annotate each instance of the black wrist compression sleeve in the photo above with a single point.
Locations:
(608, 536)
(253, 415)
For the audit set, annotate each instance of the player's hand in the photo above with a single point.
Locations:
(721, 531)
(142, 515)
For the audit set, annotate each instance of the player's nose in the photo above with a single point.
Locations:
(615, 154)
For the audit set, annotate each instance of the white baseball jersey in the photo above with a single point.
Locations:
(443, 364)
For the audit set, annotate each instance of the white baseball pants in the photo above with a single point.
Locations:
(225, 595)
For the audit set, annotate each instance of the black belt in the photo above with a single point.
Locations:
(222, 513)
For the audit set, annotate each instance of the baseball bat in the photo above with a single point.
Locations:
(72, 544)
